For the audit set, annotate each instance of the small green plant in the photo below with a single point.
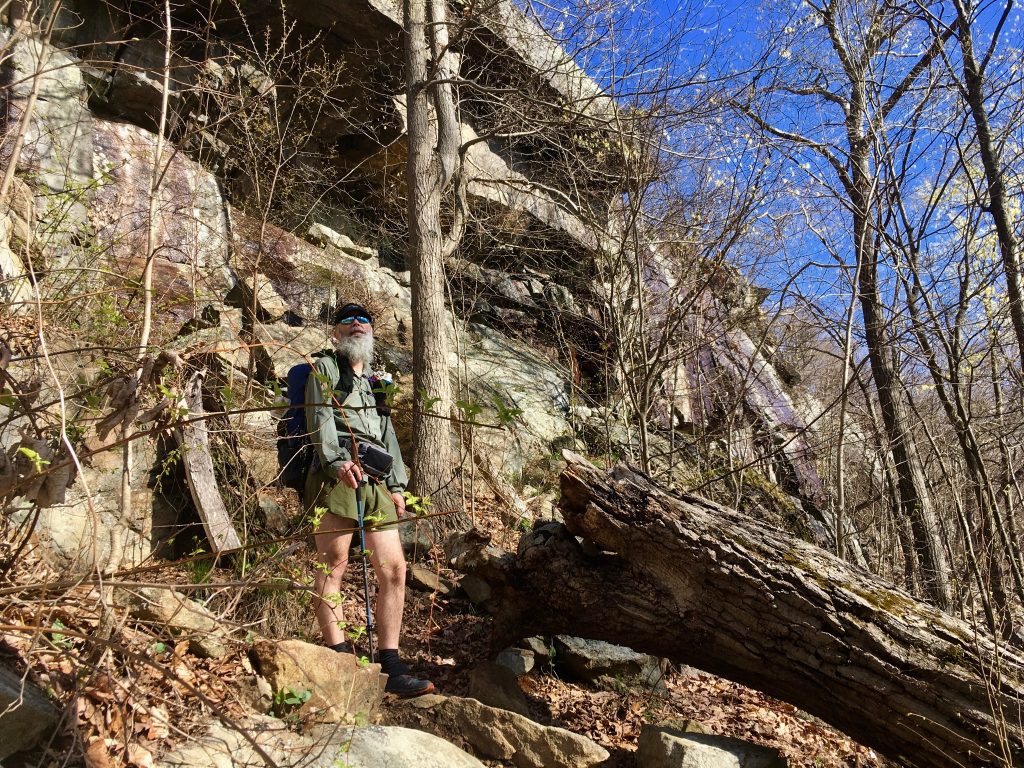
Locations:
(333, 599)
(159, 648)
(290, 698)
(59, 639)
(506, 415)
(357, 633)
(229, 397)
(427, 403)
(201, 567)
(316, 517)
(470, 409)
(38, 462)
(389, 389)
(167, 465)
(416, 505)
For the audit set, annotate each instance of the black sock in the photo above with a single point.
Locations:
(343, 647)
(388, 659)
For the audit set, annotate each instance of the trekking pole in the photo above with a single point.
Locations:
(366, 574)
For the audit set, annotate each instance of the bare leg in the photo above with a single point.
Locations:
(388, 561)
(332, 544)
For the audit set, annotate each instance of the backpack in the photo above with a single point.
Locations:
(295, 452)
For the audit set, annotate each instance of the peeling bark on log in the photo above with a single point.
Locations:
(686, 579)
(194, 439)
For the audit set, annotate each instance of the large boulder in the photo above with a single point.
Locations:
(84, 529)
(498, 734)
(15, 289)
(340, 689)
(191, 262)
(324, 747)
(57, 151)
(662, 747)
(25, 713)
(497, 686)
(392, 747)
(279, 346)
(607, 665)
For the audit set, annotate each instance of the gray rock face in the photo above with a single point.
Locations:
(607, 665)
(25, 713)
(667, 748)
(325, 747)
(519, 378)
(390, 747)
(58, 144)
(84, 531)
(255, 295)
(498, 734)
(281, 346)
(495, 685)
(518, 660)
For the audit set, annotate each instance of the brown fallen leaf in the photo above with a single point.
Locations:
(96, 755)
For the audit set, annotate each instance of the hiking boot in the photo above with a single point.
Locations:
(408, 686)
(401, 681)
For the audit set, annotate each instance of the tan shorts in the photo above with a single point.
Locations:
(340, 500)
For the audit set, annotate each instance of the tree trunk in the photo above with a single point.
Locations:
(973, 88)
(684, 578)
(433, 456)
(915, 501)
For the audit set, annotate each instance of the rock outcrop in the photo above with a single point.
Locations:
(25, 713)
(328, 686)
(662, 747)
(252, 743)
(498, 734)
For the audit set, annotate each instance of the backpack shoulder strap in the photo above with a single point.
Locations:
(345, 380)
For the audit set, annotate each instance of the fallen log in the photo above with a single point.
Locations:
(686, 579)
(194, 439)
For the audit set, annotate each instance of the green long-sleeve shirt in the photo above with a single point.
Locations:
(331, 430)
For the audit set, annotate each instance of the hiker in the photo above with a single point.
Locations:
(333, 482)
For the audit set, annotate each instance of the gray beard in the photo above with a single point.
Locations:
(358, 349)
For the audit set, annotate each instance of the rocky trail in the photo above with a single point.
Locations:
(143, 696)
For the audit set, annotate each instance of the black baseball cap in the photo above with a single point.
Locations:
(352, 310)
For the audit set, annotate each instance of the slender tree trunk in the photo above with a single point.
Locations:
(433, 455)
(974, 93)
(914, 500)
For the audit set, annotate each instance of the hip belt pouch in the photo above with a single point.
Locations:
(375, 461)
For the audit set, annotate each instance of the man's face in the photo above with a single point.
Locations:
(352, 327)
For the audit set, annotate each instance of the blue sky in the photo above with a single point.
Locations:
(707, 51)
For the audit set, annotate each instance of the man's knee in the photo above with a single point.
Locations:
(391, 573)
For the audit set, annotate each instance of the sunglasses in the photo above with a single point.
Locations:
(349, 320)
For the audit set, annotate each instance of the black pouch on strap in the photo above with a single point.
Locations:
(375, 461)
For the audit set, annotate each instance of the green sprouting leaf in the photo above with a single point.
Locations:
(427, 403)
(469, 408)
(506, 414)
(38, 462)
(59, 638)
